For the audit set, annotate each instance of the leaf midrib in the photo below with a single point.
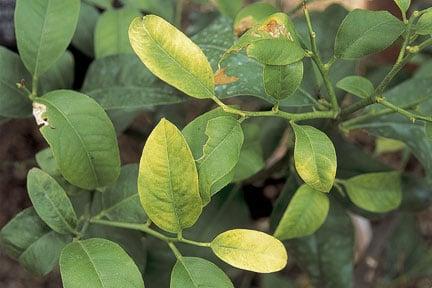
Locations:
(78, 136)
(210, 93)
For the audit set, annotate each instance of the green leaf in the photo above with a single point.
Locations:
(45, 160)
(229, 7)
(276, 281)
(51, 202)
(424, 24)
(83, 38)
(217, 38)
(252, 15)
(408, 93)
(111, 32)
(120, 201)
(14, 102)
(220, 155)
(121, 83)
(182, 65)
(22, 231)
(250, 250)
(195, 272)
(305, 213)
(163, 8)
(357, 86)
(43, 255)
(386, 145)
(101, 4)
(272, 42)
(60, 75)
(403, 5)
(28, 239)
(365, 32)
(98, 263)
(194, 131)
(168, 180)
(44, 29)
(87, 155)
(328, 254)
(428, 129)
(251, 159)
(282, 81)
(315, 157)
(375, 192)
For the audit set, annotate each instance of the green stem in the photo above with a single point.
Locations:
(380, 113)
(175, 250)
(34, 88)
(281, 114)
(406, 113)
(323, 68)
(144, 228)
(179, 13)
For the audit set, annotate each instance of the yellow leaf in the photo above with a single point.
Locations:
(250, 250)
(168, 180)
(172, 56)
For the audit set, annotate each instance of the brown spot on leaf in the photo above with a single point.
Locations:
(221, 78)
(276, 30)
(244, 25)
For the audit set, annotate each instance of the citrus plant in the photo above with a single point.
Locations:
(108, 225)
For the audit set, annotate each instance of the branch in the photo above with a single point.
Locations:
(144, 228)
(277, 113)
(402, 60)
(323, 68)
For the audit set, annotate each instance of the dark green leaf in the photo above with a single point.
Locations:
(111, 32)
(229, 7)
(87, 155)
(282, 81)
(14, 102)
(121, 82)
(424, 24)
(51, 202)
(357, 86)
(22, 231)
(328, 255)
(120, 202)
(83, 38)
(365, 32)
(42, 255)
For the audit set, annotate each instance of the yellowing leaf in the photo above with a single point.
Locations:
(315, 157)
(168, 180)
(172, 56)
(250, 250)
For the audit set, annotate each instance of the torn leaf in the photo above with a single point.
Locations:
(38, 113)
